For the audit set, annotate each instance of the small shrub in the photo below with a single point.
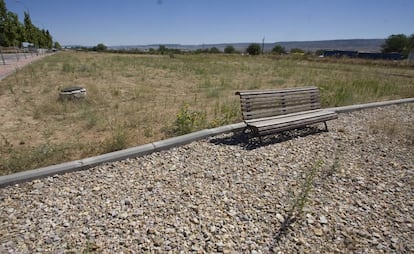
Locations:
(230, 49)
(213, 92)
(67, 68)
(91, 117)
(116, 142)
(148, 132)
(188, 121)
(225, 114)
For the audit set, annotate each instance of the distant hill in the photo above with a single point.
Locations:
(364, 45)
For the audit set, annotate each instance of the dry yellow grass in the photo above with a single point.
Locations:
(135, 99)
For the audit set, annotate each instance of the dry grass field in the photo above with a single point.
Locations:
(136, 99)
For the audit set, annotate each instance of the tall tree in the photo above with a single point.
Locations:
(56, 45)
(253, 49)
(395, 43)
(3, 10)
(11, 29)
(29, 29)
(100, 47)
(3, 18)
(13, 32)
(49, 40)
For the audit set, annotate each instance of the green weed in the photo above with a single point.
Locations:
(225, 114)
(299, 201)
(117, 141)
(68, 68)
(28, 158)
(188, 121)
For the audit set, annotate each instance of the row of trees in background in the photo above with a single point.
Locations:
(399, 43)
(13, 33)
(252, 49)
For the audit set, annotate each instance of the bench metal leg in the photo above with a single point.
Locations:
(326, 126)
(247, 133)
(251, 133)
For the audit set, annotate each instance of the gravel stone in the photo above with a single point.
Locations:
(222, 195)
(323, 220)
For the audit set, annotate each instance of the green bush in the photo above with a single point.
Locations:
(279, 50)
(117, 141)
(253, 49)
(229, 49)
(188, 121)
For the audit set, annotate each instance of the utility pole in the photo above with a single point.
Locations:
(263, 45)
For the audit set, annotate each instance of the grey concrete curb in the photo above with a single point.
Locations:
(154, 147)
(351, 108)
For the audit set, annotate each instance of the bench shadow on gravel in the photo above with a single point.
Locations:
(240, 139)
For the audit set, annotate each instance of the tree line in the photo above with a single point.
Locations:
(398, 43)
(13, 33)
(252, 49)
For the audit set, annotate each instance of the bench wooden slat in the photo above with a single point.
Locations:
(276, 92)
(257, 103)
(304, 121)
(269, 97)
(273, 91)
(281, 116)
(266, 112)
(289, 118)
(275, 104)
(292, 125)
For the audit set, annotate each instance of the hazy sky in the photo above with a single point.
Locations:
(139, 22)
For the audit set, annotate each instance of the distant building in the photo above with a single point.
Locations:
(386, 56)
(365, 55)
(340, 53)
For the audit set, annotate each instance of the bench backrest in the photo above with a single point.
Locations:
(267, 103)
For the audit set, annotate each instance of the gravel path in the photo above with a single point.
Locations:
(349, 190)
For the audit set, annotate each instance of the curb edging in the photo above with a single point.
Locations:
(156, 146)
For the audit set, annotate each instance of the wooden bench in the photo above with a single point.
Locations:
(271, 111)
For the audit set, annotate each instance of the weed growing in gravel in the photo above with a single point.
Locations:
(299, 202)
(386, 128)
(337, 156)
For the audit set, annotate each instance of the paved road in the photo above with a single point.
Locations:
(12, 62)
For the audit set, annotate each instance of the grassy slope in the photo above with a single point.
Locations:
(134, 99)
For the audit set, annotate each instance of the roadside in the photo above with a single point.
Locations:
(13, 62)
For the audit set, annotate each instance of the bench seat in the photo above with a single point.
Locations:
(268, 125)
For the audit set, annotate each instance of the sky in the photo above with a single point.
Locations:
(143, 22)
